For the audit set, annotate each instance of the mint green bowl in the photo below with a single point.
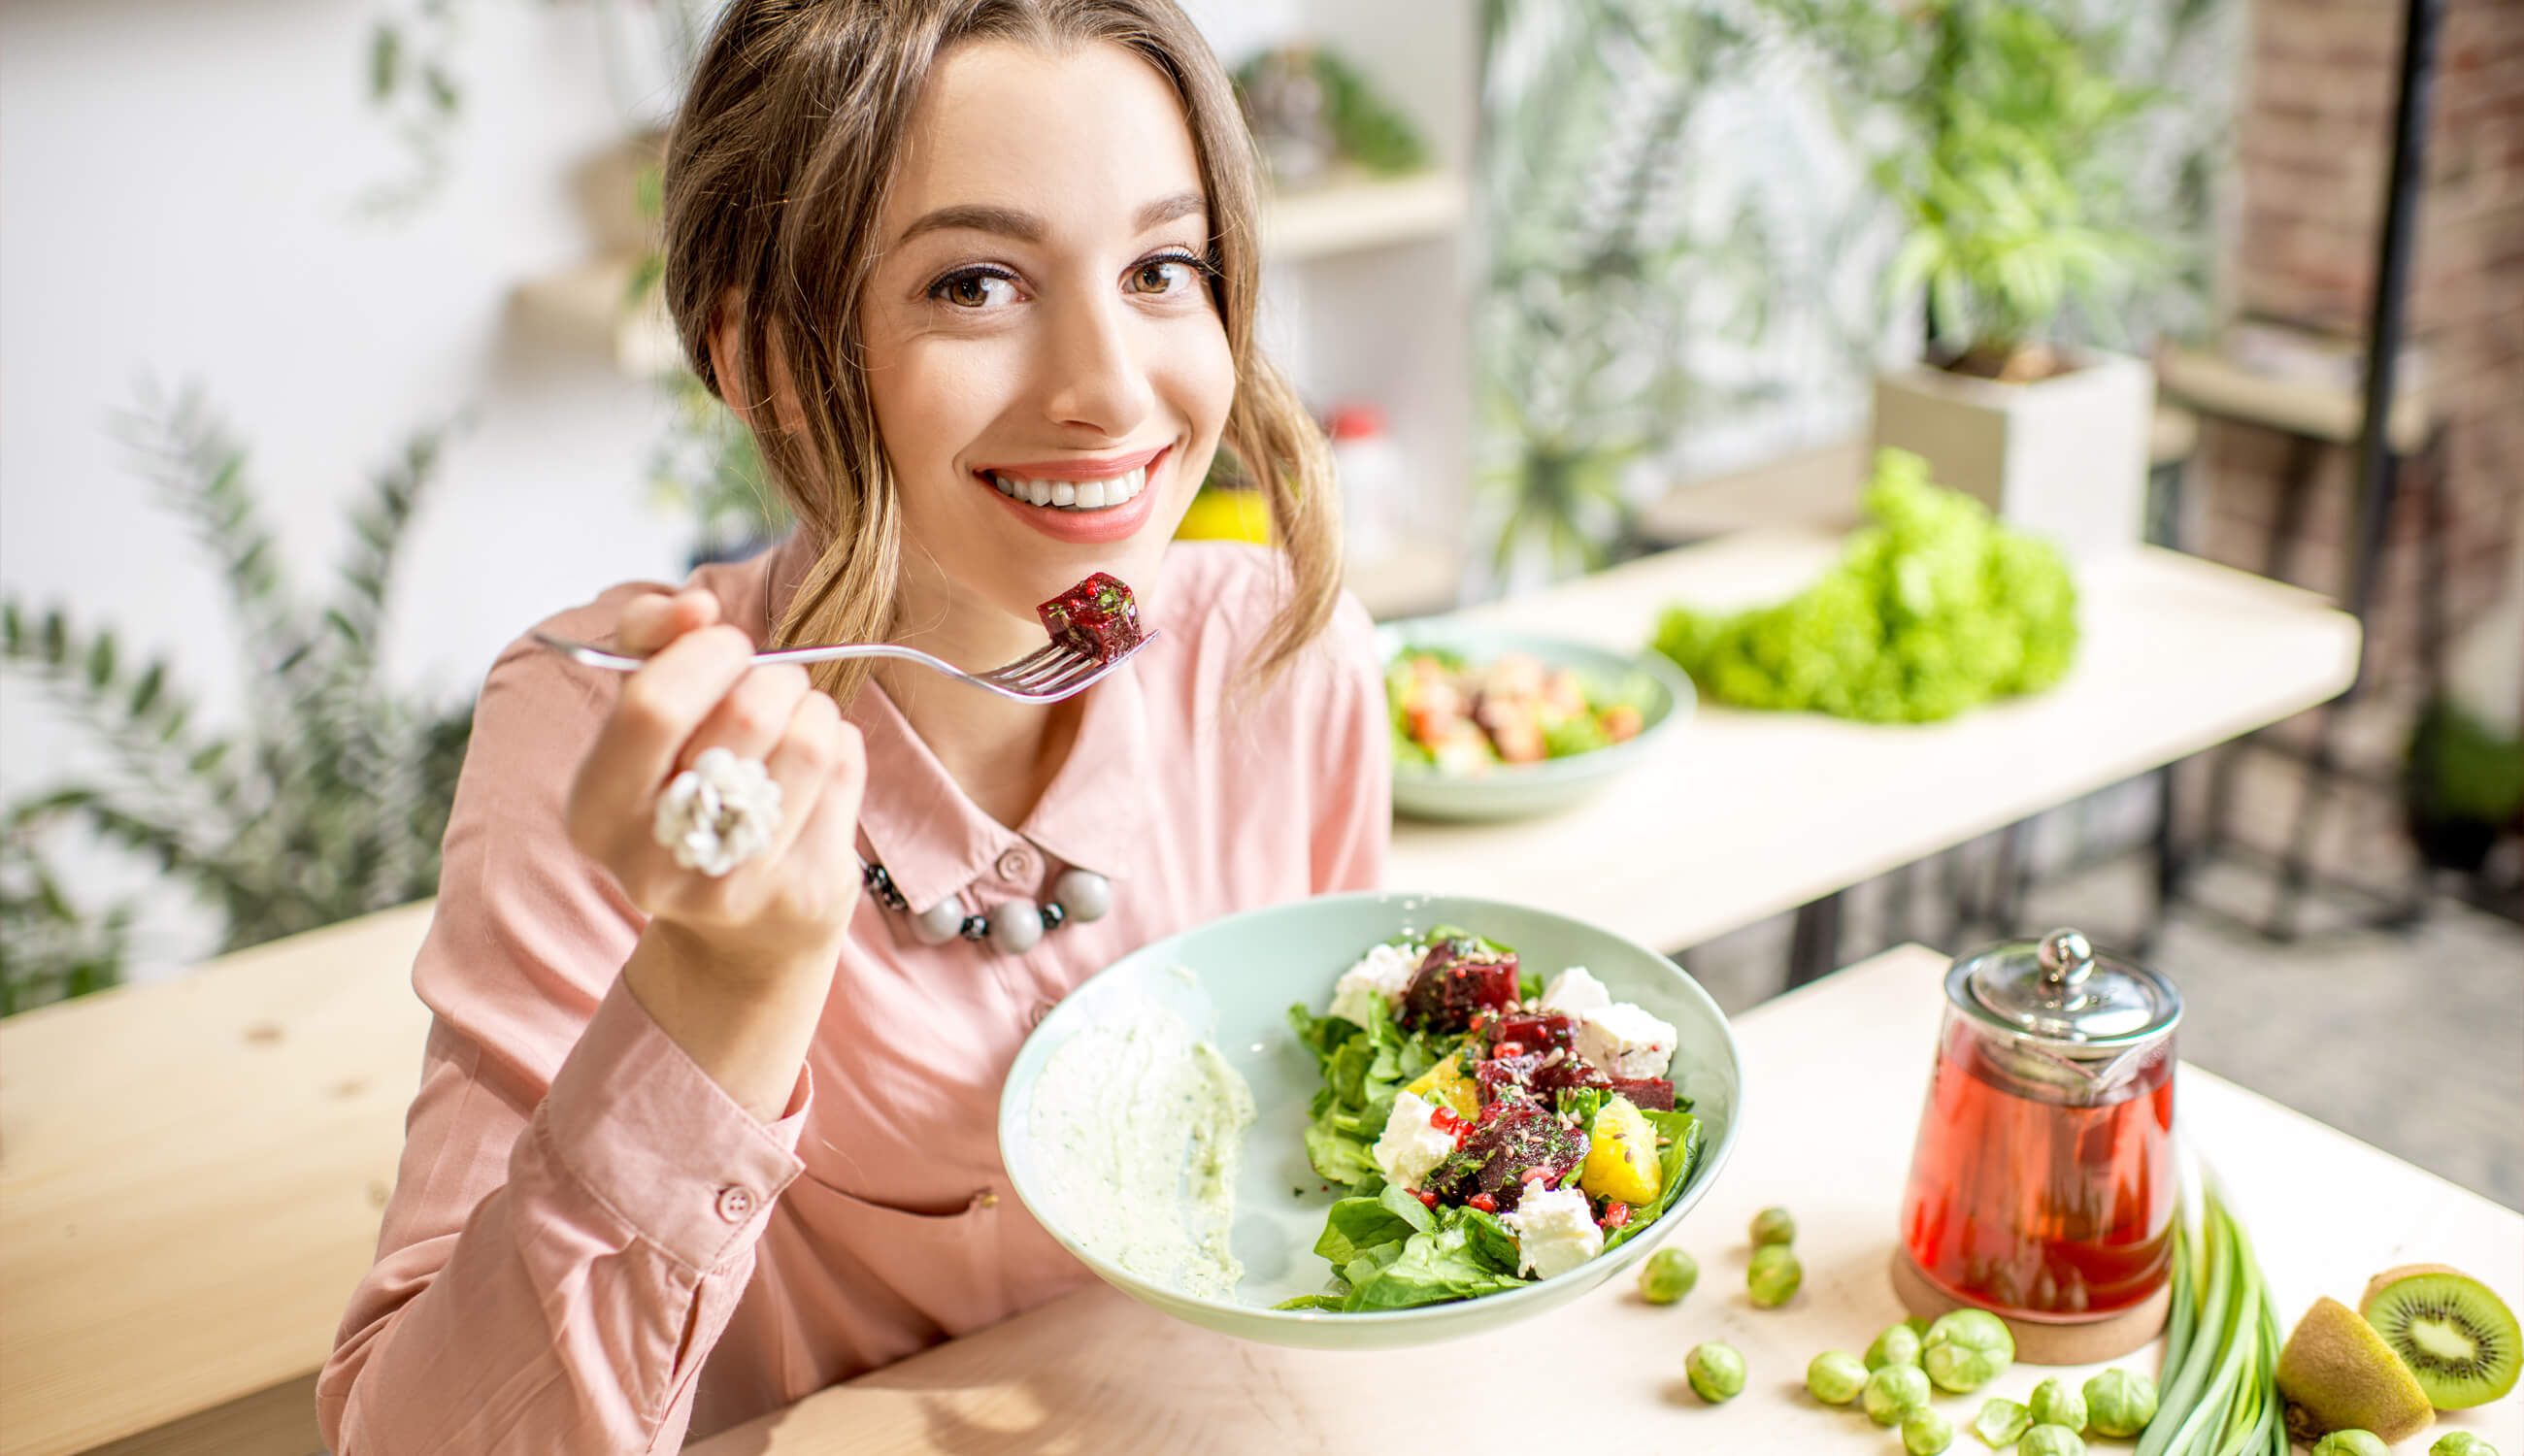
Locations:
(1243, 974)
(1524, 791)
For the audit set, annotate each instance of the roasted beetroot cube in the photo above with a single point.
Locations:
(1458, 980)
(1566, 1073)
(1524, 1144)
(1097, 617)
(1647, 1093)
(1498, 1075)
(1534, 1032)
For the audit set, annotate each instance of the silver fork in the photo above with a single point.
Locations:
(1046, 675)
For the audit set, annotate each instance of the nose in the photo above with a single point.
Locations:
(1098, 379)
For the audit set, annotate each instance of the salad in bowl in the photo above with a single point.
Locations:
(1491, 1129)
(1491, 724)
(1351, 1173)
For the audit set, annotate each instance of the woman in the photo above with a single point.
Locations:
(689, 1146)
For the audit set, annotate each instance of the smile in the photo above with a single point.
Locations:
(1076, 495)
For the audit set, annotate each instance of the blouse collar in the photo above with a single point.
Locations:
(933, 840)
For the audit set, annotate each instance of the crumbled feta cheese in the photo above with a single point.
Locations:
(1383, 971)
(1626, 1041)
(1555, 1232)
(1412, 1144)
(1576, 991)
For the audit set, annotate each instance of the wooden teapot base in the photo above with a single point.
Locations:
(2090, 1342)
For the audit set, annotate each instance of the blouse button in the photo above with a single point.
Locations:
(1016, 866)
(736, 1203)
(1041, 1009)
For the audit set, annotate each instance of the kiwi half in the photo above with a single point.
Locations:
(2457, 1337)
(2338, 1374)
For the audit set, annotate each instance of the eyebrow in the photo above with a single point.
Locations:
(1027, 227)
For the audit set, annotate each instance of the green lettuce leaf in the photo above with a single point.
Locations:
(1434, 1268)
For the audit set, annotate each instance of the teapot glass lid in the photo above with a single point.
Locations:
(2062, 990)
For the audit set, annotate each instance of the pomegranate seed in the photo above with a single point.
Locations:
(1511, 1049)
(1616, 1215)
(1484, 1201)
(1427, 1197)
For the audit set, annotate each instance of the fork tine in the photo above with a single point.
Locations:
(1060, 664)
(1041, 656)
(1082, 672)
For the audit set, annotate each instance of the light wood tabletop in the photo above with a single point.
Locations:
(1834, 1075)
(191, 1176)
(1747, 814)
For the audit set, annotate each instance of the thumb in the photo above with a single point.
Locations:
(653, 621)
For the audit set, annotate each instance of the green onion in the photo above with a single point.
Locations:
(2220, 1396)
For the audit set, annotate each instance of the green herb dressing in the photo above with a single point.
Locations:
(1150, 1125)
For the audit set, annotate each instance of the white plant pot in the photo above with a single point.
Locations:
(2065, 457)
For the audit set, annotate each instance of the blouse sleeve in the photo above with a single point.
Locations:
(577, 1207)
(1354, 820)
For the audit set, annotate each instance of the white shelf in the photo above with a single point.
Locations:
(589, 305)
(1350, 216)
(1413, 580)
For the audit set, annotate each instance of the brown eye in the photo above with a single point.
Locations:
(975, 290)
(1162, 275)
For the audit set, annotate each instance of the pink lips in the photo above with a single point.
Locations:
(1083, 527)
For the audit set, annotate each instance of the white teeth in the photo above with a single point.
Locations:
(1080, 495)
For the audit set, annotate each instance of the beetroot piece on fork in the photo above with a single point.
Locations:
(1097, 617)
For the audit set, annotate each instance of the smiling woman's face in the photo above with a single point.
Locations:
(1049, 371)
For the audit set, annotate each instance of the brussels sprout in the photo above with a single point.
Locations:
(2462, 1443)
(1899, 1345)
(1774, 1226)
(2049, 1441)
(2055, 1402)
(1892, 1391)
(2001, 1420)
(1835, 1376)
(1716, 1371)
(2351, 1443)
(1967, 1349)
(1926, 1432)
(1774, 1276)
(1668, 1276)
(2119, 1403)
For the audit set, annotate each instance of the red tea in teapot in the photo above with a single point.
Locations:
(2043, 1181)
(2037, 1205)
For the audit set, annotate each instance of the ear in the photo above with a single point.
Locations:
(727, 362)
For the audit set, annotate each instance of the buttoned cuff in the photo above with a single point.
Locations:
(647, 1132)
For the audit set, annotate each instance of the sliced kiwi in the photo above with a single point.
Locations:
(2338, 1374)
(2457, 1337)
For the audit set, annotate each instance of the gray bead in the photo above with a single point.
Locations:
(1084, 893)
(937, 924)
(1015, 925)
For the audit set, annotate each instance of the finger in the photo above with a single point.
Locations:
(811, 752)
(651, 621)
(662, 706)
(751, 718)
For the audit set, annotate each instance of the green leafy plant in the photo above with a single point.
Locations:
(1601, 284)
(1933, 609)
(328, 802)
(2008, 216)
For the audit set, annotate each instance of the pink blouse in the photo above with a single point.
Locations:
(591, 1248)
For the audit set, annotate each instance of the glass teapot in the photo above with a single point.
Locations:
(2042, 1185)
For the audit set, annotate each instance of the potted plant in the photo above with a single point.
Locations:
(2009, 220)
(327, 801)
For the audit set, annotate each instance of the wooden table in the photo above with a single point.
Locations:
(190, 1180)
(1748, 814)
(1833, 1080)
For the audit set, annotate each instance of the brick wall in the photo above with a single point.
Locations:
(2313, 142)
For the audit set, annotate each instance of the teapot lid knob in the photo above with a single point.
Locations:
(2066, 958)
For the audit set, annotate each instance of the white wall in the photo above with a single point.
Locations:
(178, 184)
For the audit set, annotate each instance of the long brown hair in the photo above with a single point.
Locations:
(775, 178)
